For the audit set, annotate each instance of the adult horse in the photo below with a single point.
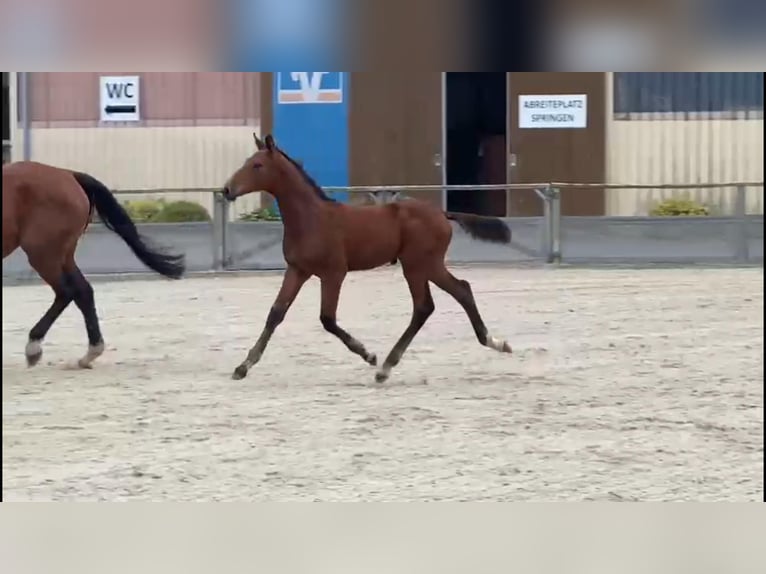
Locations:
(46, 210)
(329, 239)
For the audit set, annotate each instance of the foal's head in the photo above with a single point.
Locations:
(260, 172)
(271, 170)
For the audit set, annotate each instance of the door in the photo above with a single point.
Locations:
(566, 154)
(395, 131)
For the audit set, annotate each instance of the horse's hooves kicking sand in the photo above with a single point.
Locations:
(326, 239)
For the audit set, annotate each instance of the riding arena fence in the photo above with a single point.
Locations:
(732, 233)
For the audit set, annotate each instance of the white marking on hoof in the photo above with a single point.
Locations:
(33, 352)
(33, 348)
(498, 345)
(94, 352)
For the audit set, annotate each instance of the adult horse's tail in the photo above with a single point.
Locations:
(114, 216)
(481, 227)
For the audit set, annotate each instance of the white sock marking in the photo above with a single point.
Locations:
(94, 352)
(496, 344)
(33, 348)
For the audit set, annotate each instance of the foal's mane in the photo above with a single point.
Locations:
(308, 179)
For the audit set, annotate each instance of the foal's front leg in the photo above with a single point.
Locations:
(292, 282)
(331, 285)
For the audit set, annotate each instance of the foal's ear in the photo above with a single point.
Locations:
(271, 145)
(258, 143)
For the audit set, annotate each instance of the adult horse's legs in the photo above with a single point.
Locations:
(330, 293)
(461, 291)
(422, 308)
(85, 301)
(292, 282)
(51, 271)
(68, 284)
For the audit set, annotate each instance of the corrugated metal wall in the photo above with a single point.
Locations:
(684, 127)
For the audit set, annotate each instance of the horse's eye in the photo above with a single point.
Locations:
(257, 165)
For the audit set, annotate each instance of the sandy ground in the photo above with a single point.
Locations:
(625, 385)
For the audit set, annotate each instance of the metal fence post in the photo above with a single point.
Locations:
(225, 206)
(555, 225)
(220, 217)
(740, 206)
(547, 240)
(24, 114)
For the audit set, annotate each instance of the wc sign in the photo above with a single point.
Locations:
(310, 87)
(119, 98)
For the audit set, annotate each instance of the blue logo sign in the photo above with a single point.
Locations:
(310, 87)
(317, 135)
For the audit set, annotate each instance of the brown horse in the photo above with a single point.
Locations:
(329, 239)
(45, 211)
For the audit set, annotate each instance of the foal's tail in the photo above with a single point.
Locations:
(481, 227)
(114, 216)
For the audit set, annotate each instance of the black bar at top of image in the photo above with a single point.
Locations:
(512, 35)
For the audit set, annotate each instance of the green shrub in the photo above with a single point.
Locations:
(263, 214)
(679, 207)
(144, 210)
(181, 212)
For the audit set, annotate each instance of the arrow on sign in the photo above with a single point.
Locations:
(120, 109)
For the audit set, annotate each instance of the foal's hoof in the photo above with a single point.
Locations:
(372, 359)
(381, 376)
(239, 373)
(501, 346)
(33, 353)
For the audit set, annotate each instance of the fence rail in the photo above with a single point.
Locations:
(226, 244)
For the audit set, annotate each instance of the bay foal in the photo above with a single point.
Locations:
(329, 239)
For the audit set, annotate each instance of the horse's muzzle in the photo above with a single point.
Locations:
(228, 195)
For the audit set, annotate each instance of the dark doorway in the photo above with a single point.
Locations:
(476, 124)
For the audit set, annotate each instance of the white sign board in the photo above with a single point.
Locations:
(553, 112)
(120, 99)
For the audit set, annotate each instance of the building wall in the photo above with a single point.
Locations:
(196, 129)
(575, 155)
(71, 99)
(395, 130)
(677, 146)
(157, 159)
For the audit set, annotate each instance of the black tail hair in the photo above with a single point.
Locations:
(115, 218)
(483, 228)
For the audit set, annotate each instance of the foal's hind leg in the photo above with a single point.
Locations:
(330, 293)
(422, 308)
(461, 291)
